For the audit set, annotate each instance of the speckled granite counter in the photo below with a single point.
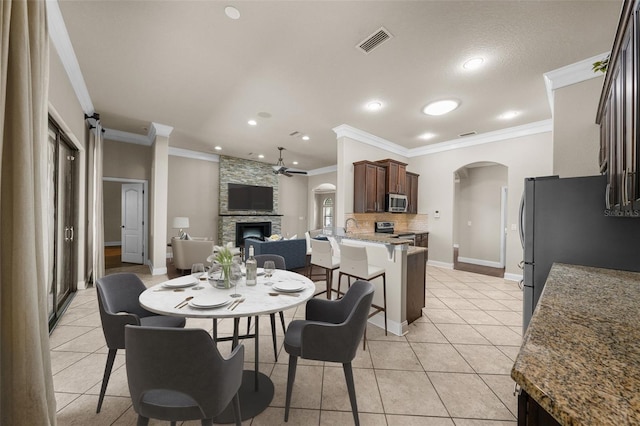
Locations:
(580, 357)
(375, 238)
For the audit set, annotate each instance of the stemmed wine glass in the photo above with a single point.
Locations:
(269, 266)
(197, 271)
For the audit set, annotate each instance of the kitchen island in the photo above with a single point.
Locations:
(579, 363)
(405, 285)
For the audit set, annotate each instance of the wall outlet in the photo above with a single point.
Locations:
(436, 214)
(469, 223)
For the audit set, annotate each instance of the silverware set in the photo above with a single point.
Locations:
(184, 303)
(235, 304)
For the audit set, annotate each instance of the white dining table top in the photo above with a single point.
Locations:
(163, 300)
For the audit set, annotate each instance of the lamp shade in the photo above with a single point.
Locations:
(180, 222)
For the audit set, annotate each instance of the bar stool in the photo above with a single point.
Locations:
(322, 257)
(354, 263)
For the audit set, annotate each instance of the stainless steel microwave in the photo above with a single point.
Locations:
(396, 203)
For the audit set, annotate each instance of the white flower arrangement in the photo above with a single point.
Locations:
(222, 254)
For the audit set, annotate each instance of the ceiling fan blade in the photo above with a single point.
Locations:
(299, 172)
(287, 174)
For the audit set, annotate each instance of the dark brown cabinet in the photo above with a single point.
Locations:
(618, 117)
(396, 180)
(369, 187)
(412, 193)
(422, 240)
(416, 275)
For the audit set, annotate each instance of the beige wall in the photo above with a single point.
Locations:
(525, 156)
(126, 160)
(575, 132)
(479, 213)
(293, 200)
(193, 192)
(112, 192)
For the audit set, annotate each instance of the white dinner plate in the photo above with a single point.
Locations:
(289, 287)
(186, 281)
(209, 301)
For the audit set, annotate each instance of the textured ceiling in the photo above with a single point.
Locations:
(186, 65)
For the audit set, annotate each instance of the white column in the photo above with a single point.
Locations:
(158, 199)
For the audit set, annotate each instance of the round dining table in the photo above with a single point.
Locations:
(179, 297)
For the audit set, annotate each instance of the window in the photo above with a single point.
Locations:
(327, 212)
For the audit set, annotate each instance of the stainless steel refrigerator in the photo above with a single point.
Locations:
(563, 220)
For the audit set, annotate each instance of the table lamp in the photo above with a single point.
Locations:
(180, 222)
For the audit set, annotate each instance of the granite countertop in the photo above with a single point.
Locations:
(376, 238)
(580, 356)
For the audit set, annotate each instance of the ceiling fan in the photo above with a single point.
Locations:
(280, 169)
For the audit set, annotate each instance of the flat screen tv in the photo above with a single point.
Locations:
(250, 197)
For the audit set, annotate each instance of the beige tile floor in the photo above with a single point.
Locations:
(452, 368)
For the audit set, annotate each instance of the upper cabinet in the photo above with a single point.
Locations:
(412, 193)
(618, 117)
(369, 187)
(396, 182)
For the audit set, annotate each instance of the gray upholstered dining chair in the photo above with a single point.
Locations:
(178, 374)
(280, 264)
(118, 304)
(331, 332)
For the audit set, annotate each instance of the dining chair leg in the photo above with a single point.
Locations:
(348, 375)
(206, 422)
(273, 334)
(248, 324)
(328, 273)
(142, 421)
(284, 327)
(237, 414)
(291, 376)
(173, 423)
(111, 356)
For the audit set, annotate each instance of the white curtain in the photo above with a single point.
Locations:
(96, 211)
(26, 384)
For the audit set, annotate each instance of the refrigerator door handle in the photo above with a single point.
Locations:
(521, 216)
(521, 284)
(606, 196)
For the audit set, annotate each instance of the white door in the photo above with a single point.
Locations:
(132, 223)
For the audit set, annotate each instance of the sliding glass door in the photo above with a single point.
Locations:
(62, 208)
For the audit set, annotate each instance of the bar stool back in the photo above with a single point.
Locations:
(355, 264)
(322, 257)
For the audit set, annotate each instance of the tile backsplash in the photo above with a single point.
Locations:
(403, 222)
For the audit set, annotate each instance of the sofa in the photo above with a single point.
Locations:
(188, 252)
(293, 251)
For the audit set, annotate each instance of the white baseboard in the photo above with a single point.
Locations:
(438, 264)
(456, 246)
(112, 243)
(399, 329)
(480, 262)
(513, 277)
(156, 271)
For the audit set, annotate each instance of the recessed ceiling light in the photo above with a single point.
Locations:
(252, 122)
(261, 156)
(374, 105)
(427, 136)
(509, 115)
(441, 107)
(473, 63)
(217, 148)
(232, 12)
(305, 138)
(295, 163)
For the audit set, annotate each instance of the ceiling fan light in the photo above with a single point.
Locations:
(252, 122)
(305, 138)
(374, 105)
(217, 148)
(441, 107)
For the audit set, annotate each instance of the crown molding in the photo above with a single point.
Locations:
(571, 74)
(196, 155)
(120, 136)
(534, 128)
(61, 41)
(322, 170)
(344, 130)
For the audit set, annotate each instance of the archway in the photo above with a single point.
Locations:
(480, 214)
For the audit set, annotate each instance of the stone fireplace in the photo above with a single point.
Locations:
(248, 172)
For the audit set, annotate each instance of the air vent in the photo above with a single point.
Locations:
(296, 133)
(468, 134)
(374, 40)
